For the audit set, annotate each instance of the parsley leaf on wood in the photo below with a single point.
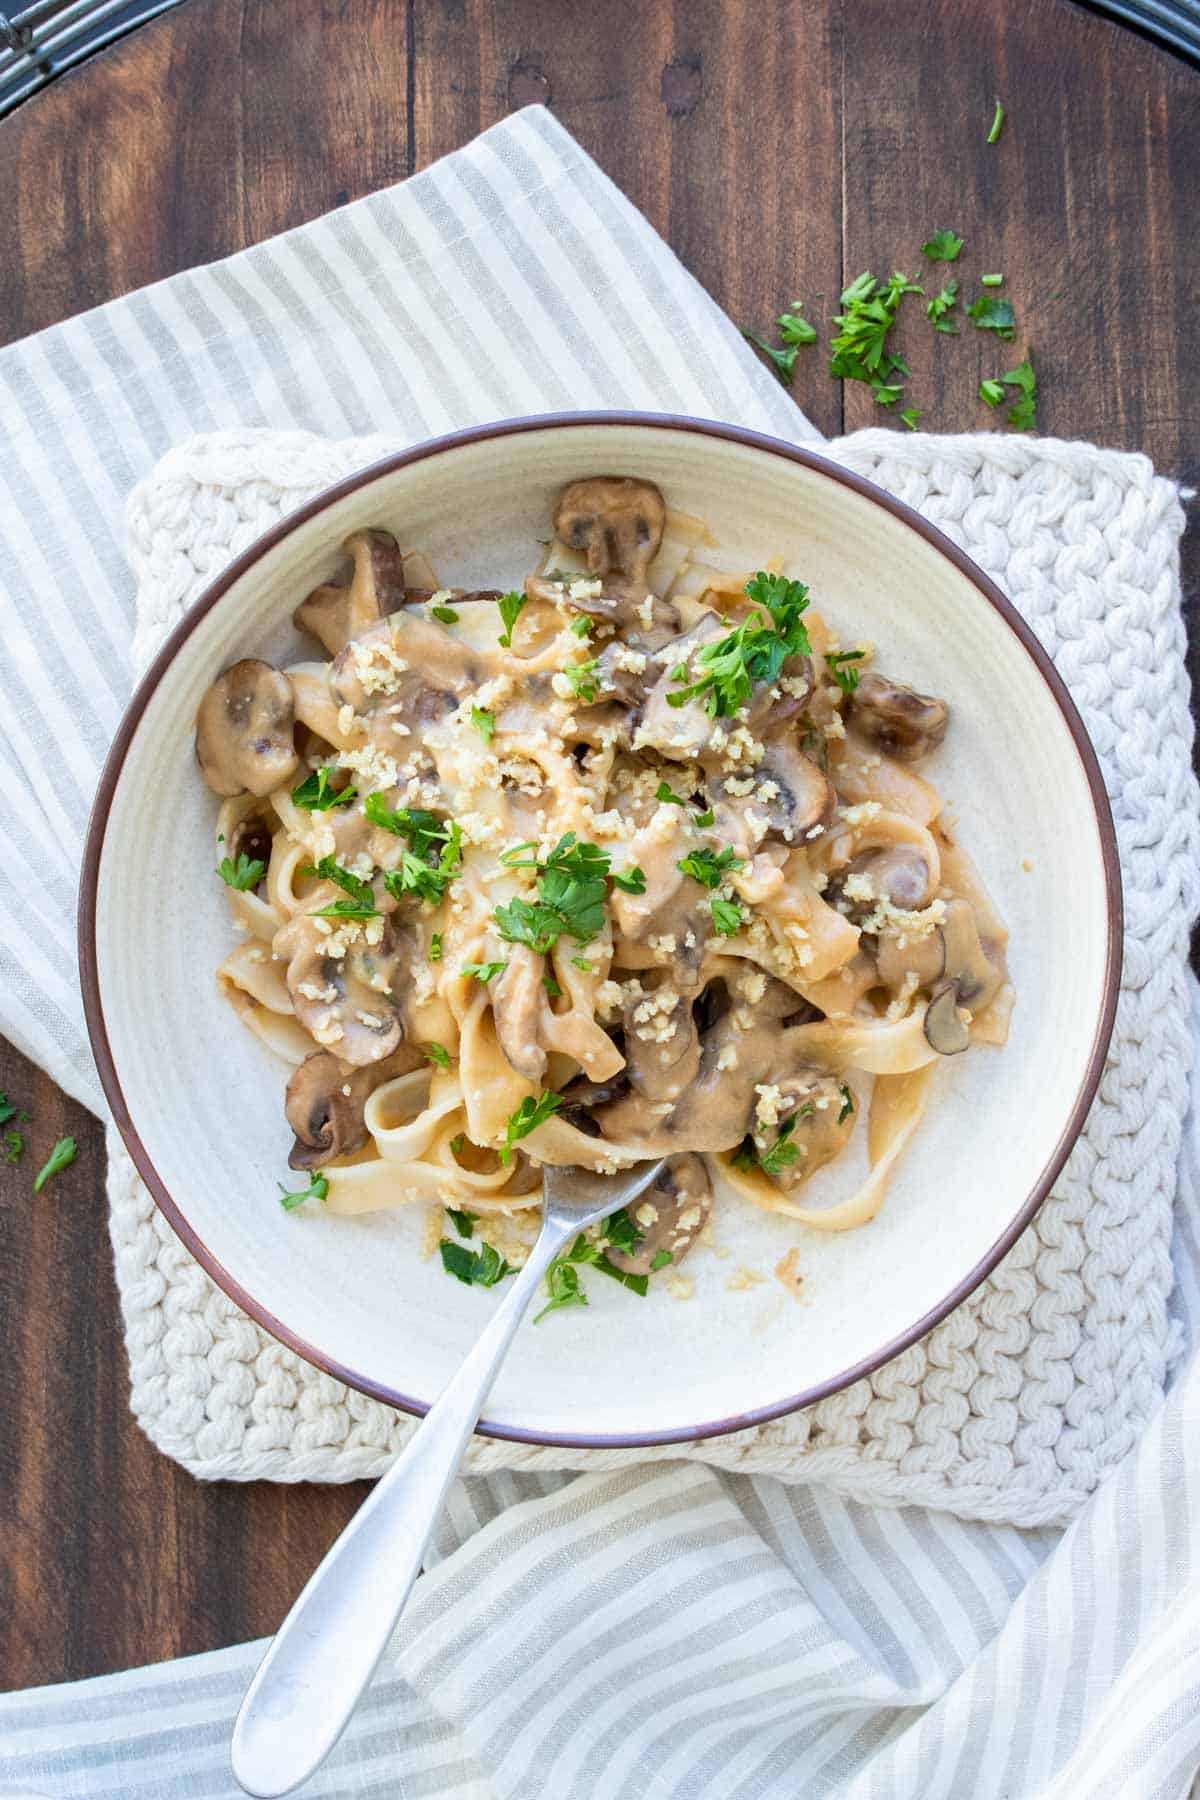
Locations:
(859, 350)
(317, 1189)
(910, 415)
(991, 313)
(315, 794)
(943, 246)
(1022, 415)
(997, 124)
(944, 303)
(784, 363)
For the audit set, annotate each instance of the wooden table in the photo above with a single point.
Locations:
(781, 147)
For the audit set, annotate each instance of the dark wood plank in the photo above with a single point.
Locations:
(781, 148)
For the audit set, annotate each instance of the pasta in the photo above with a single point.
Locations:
(632, 862)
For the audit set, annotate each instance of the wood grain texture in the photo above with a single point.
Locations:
(780, 147)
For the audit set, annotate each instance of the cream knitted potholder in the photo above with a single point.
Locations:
(1016, 1404)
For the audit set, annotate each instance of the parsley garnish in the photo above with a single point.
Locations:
(529, 1115)
(7, 1109)
(660, 1260)
(483, 971)
(992, 392)
(667, 797)
(841, 665)
(943, 246)
(859, 350)
(571, 888)
(708, 867)
(241, 875)
(361, 904)
(910, 415)
(438, 1054)
(581, 679)
(315, 793)
(435, 947)
(424, 830)
(991, 313)
(61, 1157)
(727, 916)
(783, 1151)
(704, 819)
(445, 615)
(427, 880)
(13, 1146)
(551, 986)
(795, 330)
(510, 604)
(484, 722)
(317, 1189)
(562, 1285)
(754, 652)
(582, 626)
(847, 1104)
(562, 1277)
(478, 1268)
(943, 303)
(464, 1222)
(621, 1232)
(581, 962)
(997, 122)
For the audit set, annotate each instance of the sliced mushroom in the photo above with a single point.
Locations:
(618, 522)
(244, 730)
(803, 800)
(897, 956)
(904, 724)
(896, 873)
(670, 1216)
(341, 982)
(339, 611)
(409, 670)
(974, 974)
(582, 1095)
(615, 677)
(517, 1001)
(325, 1101)
(944, 1027)
(662, 1045)
(815, 1115)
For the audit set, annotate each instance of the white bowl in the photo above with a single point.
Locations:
(199, 1101)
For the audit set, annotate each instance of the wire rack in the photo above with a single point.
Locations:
(39, 41)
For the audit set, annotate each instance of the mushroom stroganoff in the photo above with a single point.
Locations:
(632, 862)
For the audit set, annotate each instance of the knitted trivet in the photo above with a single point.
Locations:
(1016, 1404)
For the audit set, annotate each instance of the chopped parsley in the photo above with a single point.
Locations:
(796, 332)
(427, 880)
(756, 651)
(61, 1157)
(910, 415)
(315, 794)
(445, 615)
(660, 1260)
(581, 679)
(435, 947)
(456, 1144)
(991, 313)
(727, 916)
(860, 350)
(847, 1104)
(551, 986)
(483, 971)
(242, 874)
(464, 1222)
(840, 664)
(704, 819)
(529, 1115)
(438, 1054)
(484, 722)
(783, 1152)
(944, 303)
(582, 626)
(562, 1276)
(1022, 415)
(991, 281)
(511, 605)
(478, 1268)
(997, 124)
(424, 830)
(943, 246)
(581, 962)
(317, 1189)
(667, 796)
(12, 1146)
(360, 905)
(571, 889)
(709, 867)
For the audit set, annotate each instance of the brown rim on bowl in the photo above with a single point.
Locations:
(89, 880)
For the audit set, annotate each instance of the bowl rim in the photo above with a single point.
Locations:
(759, 442)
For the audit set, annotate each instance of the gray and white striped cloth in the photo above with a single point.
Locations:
(663, 1633)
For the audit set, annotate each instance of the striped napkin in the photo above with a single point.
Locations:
(667, 1632)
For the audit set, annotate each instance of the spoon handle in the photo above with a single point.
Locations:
(326, 1650)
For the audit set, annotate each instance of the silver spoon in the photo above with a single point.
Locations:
(327, 1648)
